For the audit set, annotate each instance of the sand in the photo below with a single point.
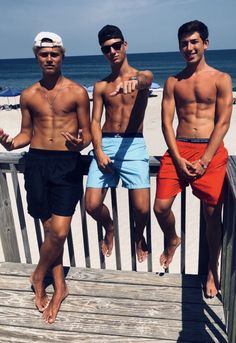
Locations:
(10, 122)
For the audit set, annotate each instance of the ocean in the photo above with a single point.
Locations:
(86, 70)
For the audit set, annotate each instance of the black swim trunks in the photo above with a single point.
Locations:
(53, 182)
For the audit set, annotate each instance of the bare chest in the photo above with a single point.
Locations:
(195, 91)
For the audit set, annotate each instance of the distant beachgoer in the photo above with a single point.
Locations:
(119, 147)
(202, 97)
(55, 119)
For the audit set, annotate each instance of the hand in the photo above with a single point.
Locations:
(6, 140)
(125, 87)
(187, 169)
(104, 162)
(73, 143)
(199, 168)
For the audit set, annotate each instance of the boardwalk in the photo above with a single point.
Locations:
(111, 306)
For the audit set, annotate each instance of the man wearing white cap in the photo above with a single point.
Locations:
(55, 122)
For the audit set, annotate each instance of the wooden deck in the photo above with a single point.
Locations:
(111, 306)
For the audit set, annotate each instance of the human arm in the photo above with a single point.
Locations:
(185, 167)
(83, 116)
(141, 80)
(24, 137)
(223, 111)
(103, 160)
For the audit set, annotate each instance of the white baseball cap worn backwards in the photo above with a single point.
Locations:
(47, 39)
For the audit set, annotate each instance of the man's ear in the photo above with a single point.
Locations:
(206, 43)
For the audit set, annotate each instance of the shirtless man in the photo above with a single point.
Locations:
(119, 146)
(55, 119)
(202, 97)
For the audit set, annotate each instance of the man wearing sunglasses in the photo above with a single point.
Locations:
(119, 147)
(55, 119)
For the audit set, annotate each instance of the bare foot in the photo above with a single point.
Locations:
(107, 243)
(141, 249)
(167, 255)
(41, 299)
(212, 284)
(50, 313)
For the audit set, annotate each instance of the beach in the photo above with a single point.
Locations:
(10, 122)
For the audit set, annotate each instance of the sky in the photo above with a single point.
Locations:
(147, 25)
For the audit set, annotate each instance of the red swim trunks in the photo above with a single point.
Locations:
(207, 188)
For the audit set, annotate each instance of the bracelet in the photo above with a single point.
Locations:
(203, 165)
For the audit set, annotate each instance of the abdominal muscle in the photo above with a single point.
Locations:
(47, 134)
(195, 124)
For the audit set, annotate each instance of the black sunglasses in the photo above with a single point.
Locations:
(116, 46)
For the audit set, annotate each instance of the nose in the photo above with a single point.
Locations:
(112, 50)
(189, 46)
(49, 58)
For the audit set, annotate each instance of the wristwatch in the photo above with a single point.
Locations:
(204, 165)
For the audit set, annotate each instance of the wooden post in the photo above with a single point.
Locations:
(7, 227)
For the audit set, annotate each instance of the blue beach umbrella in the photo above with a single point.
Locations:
(155, 85)
(8, 92)
(89, 89)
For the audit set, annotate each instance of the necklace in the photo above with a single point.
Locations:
(51, 101)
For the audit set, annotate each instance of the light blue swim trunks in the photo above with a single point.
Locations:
(130, 162)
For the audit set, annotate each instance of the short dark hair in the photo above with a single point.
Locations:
(109, 32)
(194, 26)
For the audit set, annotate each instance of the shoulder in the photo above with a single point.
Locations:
(217, 75)
(74, 88)
(29, 92)
(146, 73)
(222, 77)
(171, 81)
(100, 86)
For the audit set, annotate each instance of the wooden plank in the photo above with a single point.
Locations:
(121, 291)
(117, 325)
(121, 307)
(50, 335)
(116, 227)
(20, 211)
(111, 276)
(7, 226)
(85, 232)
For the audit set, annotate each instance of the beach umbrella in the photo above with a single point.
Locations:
(155, 85)
(8, 92)
(89, 88)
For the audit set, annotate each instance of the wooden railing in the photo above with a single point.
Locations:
(12, 195)
(228, 270)
(16, 226)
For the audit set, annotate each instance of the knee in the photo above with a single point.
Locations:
(160, 210)
(90, 207)
(58, 237)
(57, 233)
(142, 211)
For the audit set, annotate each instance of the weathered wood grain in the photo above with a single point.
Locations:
(29, 335)
(107, 311)
(115, 325)
(98, 275)
(7, 226)
(123, 291)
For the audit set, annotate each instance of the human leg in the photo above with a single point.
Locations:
(56, 229)
(140, 199)
(212, 216)
(166, 220)
(94, 205)
(60, 290)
